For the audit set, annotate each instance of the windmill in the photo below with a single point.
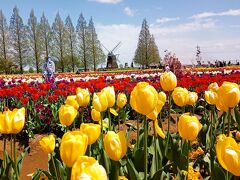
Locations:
(112, 58)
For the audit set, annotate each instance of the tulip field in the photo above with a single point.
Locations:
(118, 125)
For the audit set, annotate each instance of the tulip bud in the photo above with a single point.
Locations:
(100, 102)
(110, 93)
(228, 154)
(229, 94)
(96, 115)
(82, 97)
(88, 168)
(180, 96)
(213, 87)
(12, 122)
(115, 145)
(121, 100)
(192, 98)
(67, 114)
(211, 97)
(189, 126)
(47, 144)
(93, 131)
(143, 98)
(73, 145)
(72, 101)
(168, 81)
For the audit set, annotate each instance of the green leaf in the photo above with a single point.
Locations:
(138, 157)
(20, 159)
(237, 116)
(105, 161)
(218, 173)
(132, 172)
(37, 174)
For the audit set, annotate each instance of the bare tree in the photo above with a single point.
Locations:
(82, 40)
(18, 39)
(147, 51)
(59, 40)
(71, 41)
(34, 39)
(96, 55)
(46, 34)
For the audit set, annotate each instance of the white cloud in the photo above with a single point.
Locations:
(128, 11)
(230, 12)
(180, 39)
(166, 19)
(107, 1)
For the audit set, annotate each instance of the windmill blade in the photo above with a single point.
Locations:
(105, 48)
(117, 46)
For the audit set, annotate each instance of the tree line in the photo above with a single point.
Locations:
(30, 44)
(71, 47)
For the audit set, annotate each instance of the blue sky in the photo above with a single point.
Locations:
(178, 26)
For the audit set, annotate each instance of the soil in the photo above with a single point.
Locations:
(38, 159)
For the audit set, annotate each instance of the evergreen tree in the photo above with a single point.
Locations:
(71, 42)
(96, 55)
(59, 34)
(18, 39)
(147, 51)
(34, 40)
(45, 35)
(82, 38)
(5, 63)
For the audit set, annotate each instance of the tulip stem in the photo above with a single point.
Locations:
(169, 111)
(145, 148)
(189, 148)
(15, 156)
(69, 172)
(54, 166)
(89, 150)
(109, 120)
(155, 145)
(4, 149)
(137, 133)
(115, 170)
(101, 127)
(229, 121)
(211, 142)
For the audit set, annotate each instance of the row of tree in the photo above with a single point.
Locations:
(30, 44)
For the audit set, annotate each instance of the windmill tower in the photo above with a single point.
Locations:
(112, 58)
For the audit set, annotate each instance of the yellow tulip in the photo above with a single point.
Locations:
(228, 154)
(12, 122)
(73, 145)
(110, 93)
(100, 102)
(72, 101)
(189, 126)
(122, 178)
(93, 131)
(88, 168)
(113, 111)
(47, 144)
(180, 96)
(143, 98)
(82, 97)
(221, 106)
(211, 97)
(121, 100)
(67, 114)
(213, 87)
(96, 115)
(115, 145)
(229, 94)
(192, 98)
(158, 130)
(160, 103)
(168, 81)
